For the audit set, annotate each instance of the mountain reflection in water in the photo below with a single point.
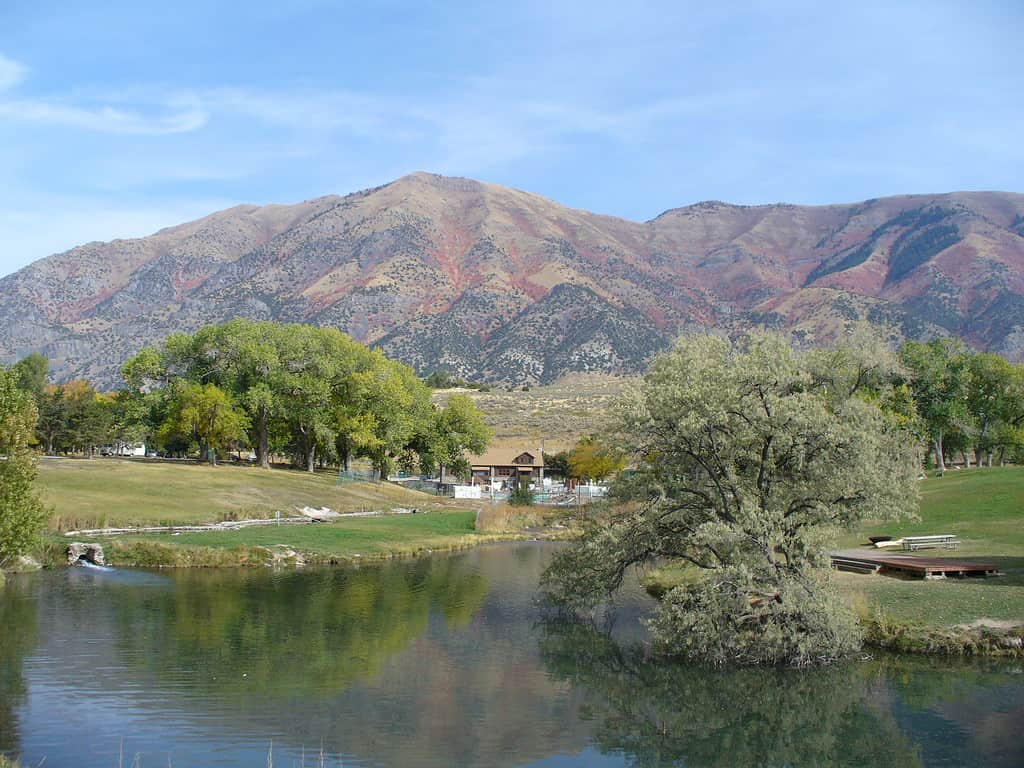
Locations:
(441, 661)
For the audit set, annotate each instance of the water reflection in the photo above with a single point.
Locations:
(885, 712)
(439, 662)
(18, 623)
(316, 632)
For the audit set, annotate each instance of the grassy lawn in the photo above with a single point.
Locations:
(346, 538)
(110, 492)
(985, 509)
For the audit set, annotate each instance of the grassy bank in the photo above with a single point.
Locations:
(110, 492)
(364, 538)
(106, 493)
(982, 507)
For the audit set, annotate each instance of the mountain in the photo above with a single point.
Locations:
(501, 285)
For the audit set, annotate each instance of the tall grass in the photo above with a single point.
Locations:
(505, 518)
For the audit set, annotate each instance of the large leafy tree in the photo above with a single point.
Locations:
(594, 459)
(746, 456)
(995, 402)
(939, 377)
(21, 511)
(400, 408)
(314, 390)
(30, 373)
(204, 413)
(454, 430)
(244, 358)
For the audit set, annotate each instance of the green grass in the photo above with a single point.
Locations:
(112, 493)
(985, 509)
(366, 538)
(364, 535)
(982, 507)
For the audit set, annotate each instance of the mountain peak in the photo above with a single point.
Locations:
(498, 284)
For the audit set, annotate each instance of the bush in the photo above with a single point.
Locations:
(735, 616)
(521, 496)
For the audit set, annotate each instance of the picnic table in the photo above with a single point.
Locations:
(943, 540)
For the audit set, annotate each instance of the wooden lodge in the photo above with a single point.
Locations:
(503, 466)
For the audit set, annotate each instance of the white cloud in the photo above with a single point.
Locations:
(11, 73)
(105, 119)
(179, 114)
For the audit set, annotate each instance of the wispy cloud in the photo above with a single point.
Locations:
(11, 73)
(178, 114)
(105, 119)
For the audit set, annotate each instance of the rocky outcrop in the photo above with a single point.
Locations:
(88, 552)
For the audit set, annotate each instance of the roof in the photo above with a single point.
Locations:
(506, 457)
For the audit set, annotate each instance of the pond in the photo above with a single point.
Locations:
(444, 661)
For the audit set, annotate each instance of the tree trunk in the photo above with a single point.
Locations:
(311, 458)
(967, 458)
(263, 440)
(940, 461)
(346, 459)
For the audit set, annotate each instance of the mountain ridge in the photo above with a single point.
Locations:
(454, 273)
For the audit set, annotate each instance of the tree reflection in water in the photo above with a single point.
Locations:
(663, 714)
(314, 632)
(18, 623)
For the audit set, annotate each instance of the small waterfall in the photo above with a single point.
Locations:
(83, 562)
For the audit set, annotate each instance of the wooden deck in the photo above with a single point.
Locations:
(910, 565)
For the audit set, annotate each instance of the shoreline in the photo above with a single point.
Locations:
(982, 638)
(125, 551)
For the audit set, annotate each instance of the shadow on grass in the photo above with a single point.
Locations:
(1012, 567)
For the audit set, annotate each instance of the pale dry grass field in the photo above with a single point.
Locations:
(552, 417)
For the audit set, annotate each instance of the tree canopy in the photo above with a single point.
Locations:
(21, 511)
(746, 455)
(312, 392)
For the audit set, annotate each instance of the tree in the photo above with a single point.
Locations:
(244, 358)
(593, 460)
(453, 430)
(399, 404)
(51, 426)
(939, 378)
(30, 373)
(995, 402)
(745, 458)
(205, 413)
(557, 464)
(21, 511)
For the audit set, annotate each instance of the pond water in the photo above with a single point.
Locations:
(445, 661)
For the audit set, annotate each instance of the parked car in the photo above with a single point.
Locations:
(152, 455)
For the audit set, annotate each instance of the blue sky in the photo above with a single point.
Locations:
(118, 118)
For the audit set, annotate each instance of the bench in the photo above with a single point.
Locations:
(857, 566)
(943, 540)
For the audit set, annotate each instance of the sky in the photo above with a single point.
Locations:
(121, 117)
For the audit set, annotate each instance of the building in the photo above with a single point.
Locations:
(501, 467)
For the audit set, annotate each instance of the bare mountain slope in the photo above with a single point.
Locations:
(502, 285)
